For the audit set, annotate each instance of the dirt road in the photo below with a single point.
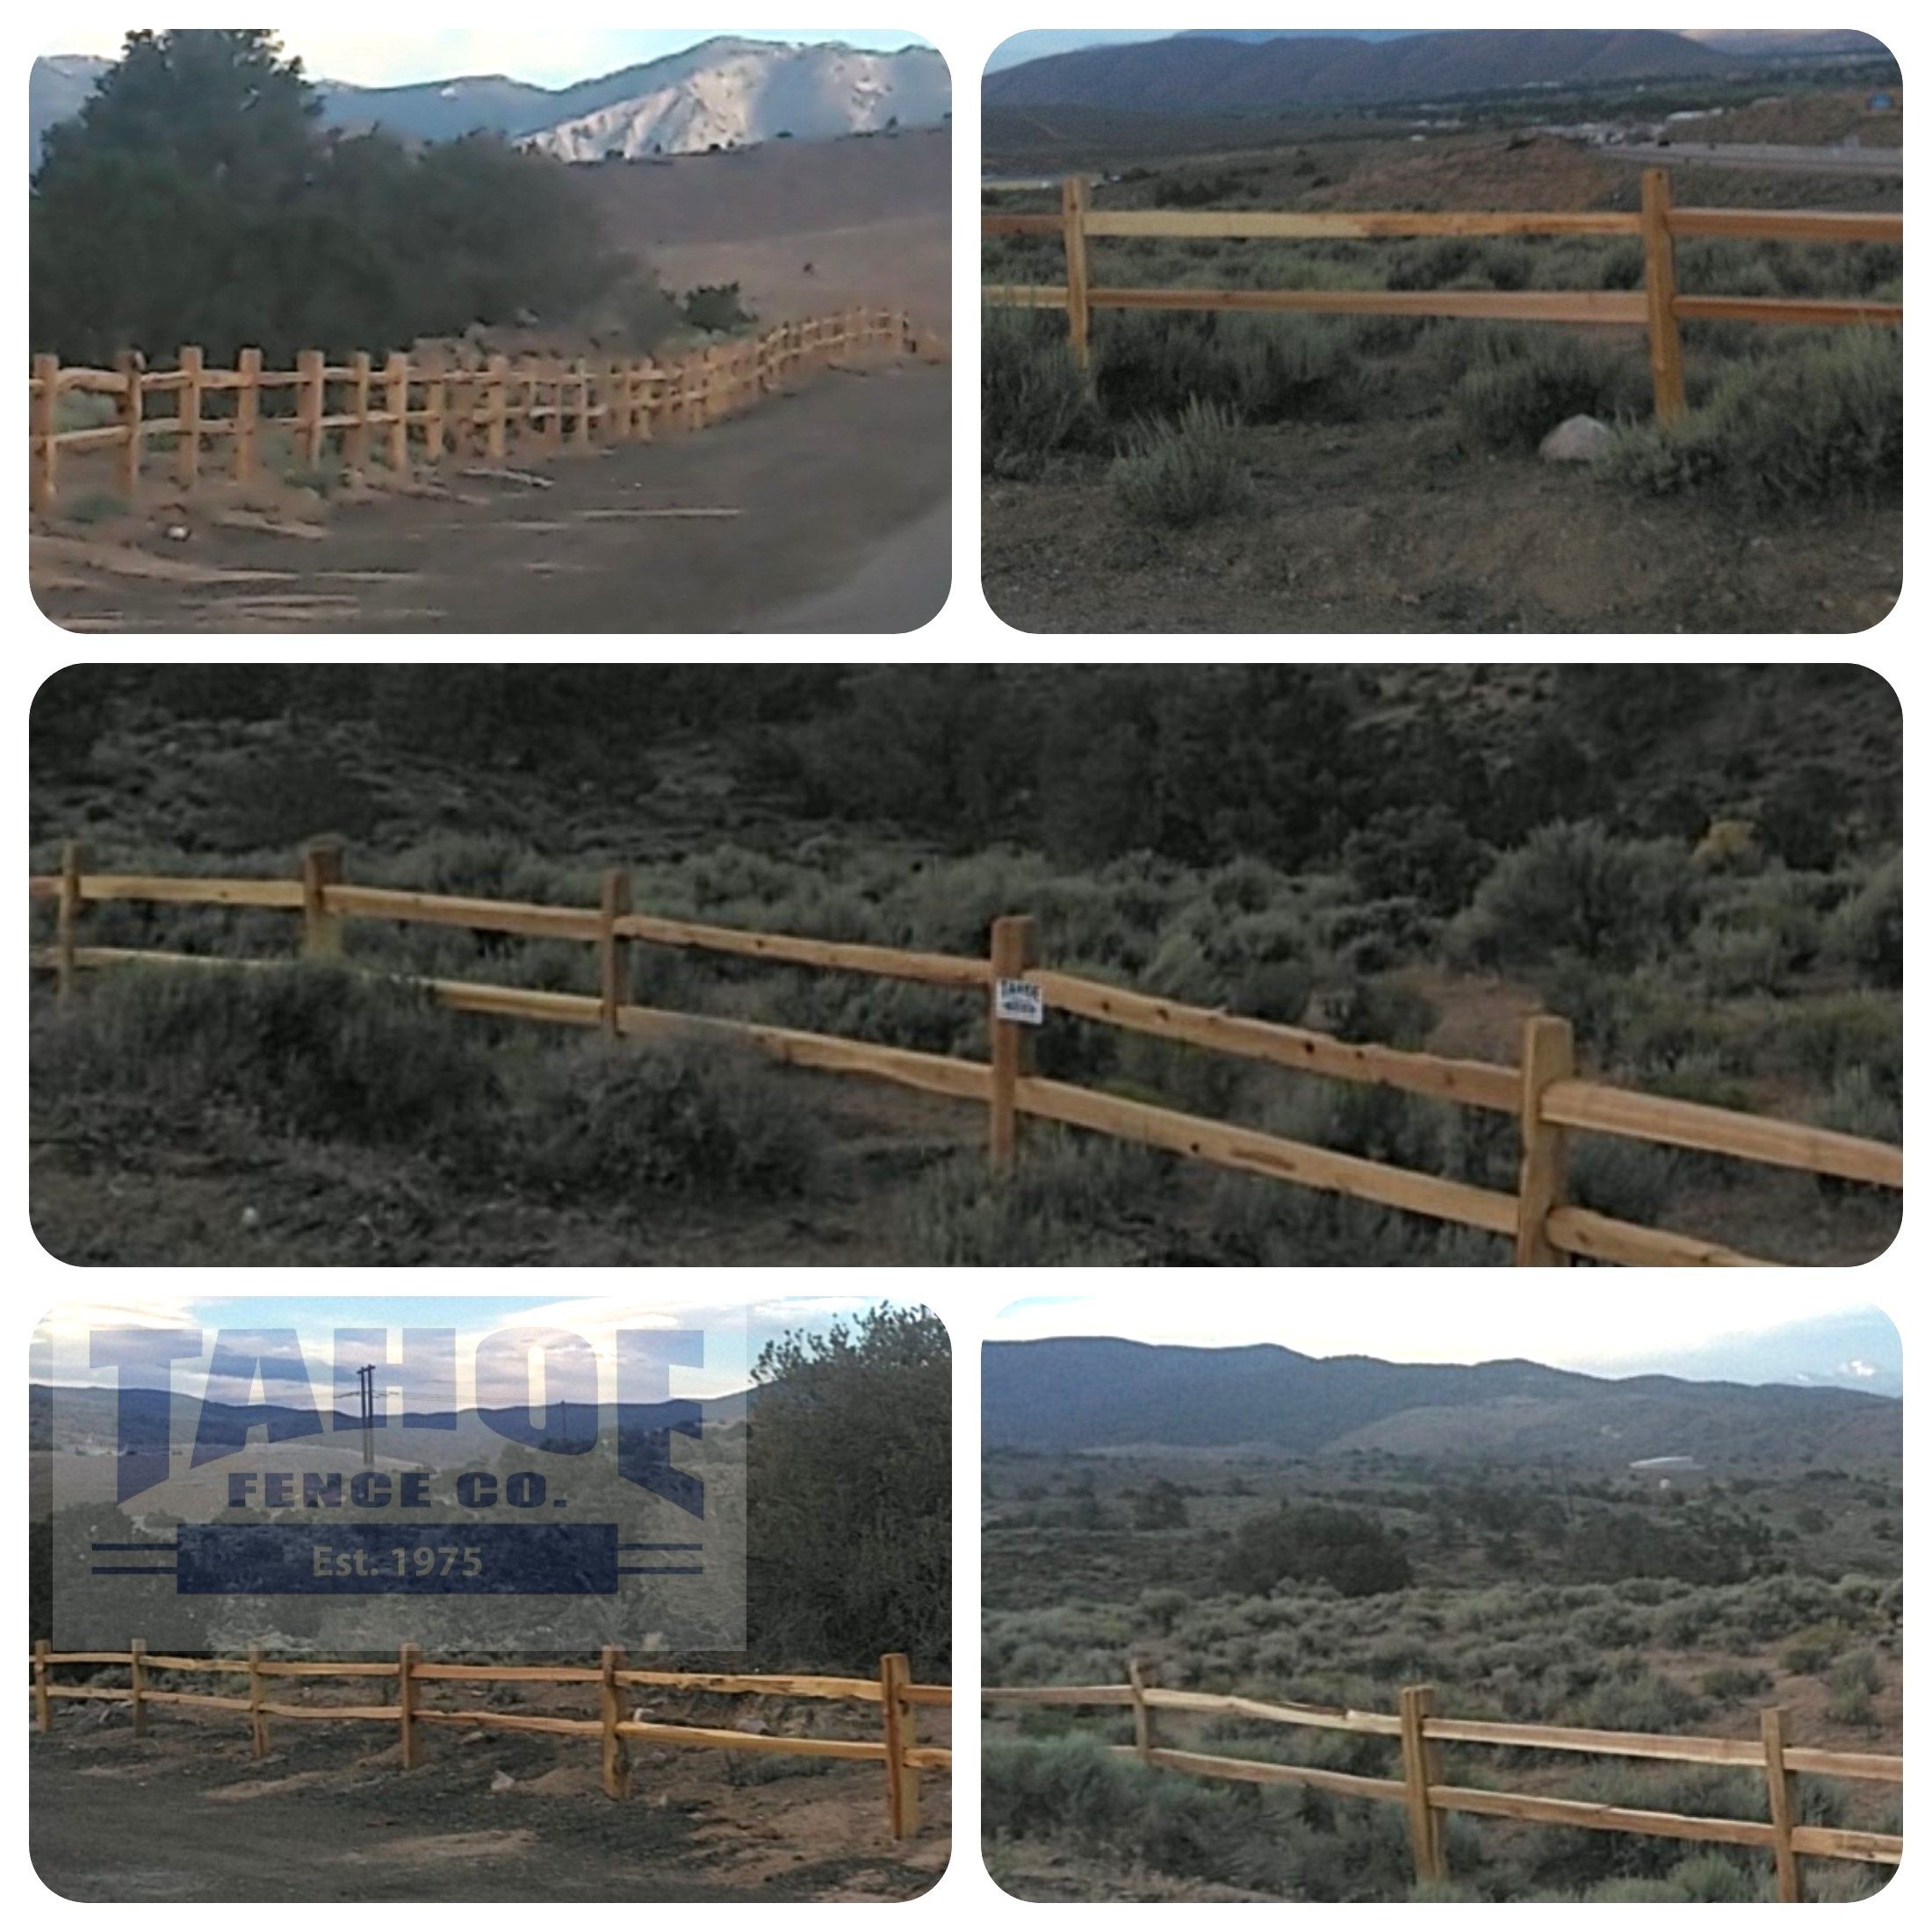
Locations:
(327, 1818)
(1809, 161)
(822, 483)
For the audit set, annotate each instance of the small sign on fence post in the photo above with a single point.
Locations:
(1012, 954)
(1019, 1001)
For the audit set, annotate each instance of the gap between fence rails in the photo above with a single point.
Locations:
(1658, 307)
(612, 401)
(1422, 1789)
(898, 1749)
(1543, 1094)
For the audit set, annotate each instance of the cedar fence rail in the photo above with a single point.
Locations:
(427, 408)
(1543, 1094)
(1656, 306)
(1421, 1788)
(893, 1690)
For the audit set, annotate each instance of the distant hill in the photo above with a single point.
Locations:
(1102, 1392)
(1206, 71)
(724, 92)
(1790, 42)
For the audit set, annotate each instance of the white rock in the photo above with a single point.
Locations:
(502, 1782)
(1576, 439)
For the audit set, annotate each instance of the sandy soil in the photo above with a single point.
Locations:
(818, 481)
(326, 1817)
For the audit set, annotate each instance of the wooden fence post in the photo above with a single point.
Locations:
(613, 952)
(355, 437)
(617, 1751)
(407, 1688)
(44, 453)
(67, 913)
(247, 413)
(583, 404)
(321, 929)
(902, 1780)
(1661, 296)
(188, 418)
(1012, 954)
(395, 404)
(1784, 1798)
(128, 466)
(1421, 1767)
(43, 1704)
(258, 1723)
(310, 393)
(1144, 1717)
(435, 410)
(1549, 1054)
(497, 406)
(1073, 213)
(137, 1667)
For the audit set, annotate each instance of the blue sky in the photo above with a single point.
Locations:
(550, 56)
(735, 1330)
(1037, 42)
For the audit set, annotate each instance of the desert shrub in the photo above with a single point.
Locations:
(1867, 931)
(678, 1116)
(1851, 1706)
(1265, 368)
(1708, 1878)
(1810, 1653)
(1858, 1670)
(1526, 382)
(310, 1050)
(1823, 423)
(95, 507)
(716, 308)
(1578, 888)
(1729, 1683)
(1632, 1180)
(1422, 852)
(1183, 472)
(1823, 1037)
(1035, 399)
(1069, 1784)
(1641, 1700)
(1860, 1103)
(1312, 1542)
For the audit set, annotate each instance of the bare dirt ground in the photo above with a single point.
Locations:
(821, 481)
(1389, 526)
(330, 1816)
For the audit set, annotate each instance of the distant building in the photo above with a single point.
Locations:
(1879, 103)
(1668, 1471)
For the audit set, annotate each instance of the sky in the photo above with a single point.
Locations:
(552, 57)
(1036, 43)
(1642, 1328)
(735, 1331)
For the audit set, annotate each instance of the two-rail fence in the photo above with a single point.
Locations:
(1423, 1790)
(893, 1690)
(424, 409)
(1656, 306)
(1542, 1094)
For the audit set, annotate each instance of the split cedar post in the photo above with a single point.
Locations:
(1784, 1798)
(614, 953)
(1549, 1054)
(188, 418)
(1073, 214)
(309, 411)
(247, 413)
(902, 1780)
(1012, 954)
(395, 403)
(44, 452)
(407, 1689)
(43, 1704)
(1143, 1718)
(1661, 296)
(617, 1752)
(644, 392)
(435, 409)
(67, 913)
(131, 399)
(1421, 1769)
(258, 1723)
(583, 404)
(496, 407)
(137, 1663)
(355, 440)
(553, 429)
(321, 929)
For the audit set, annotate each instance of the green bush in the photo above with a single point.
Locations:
(1525, 382)
(1034, 398)
(716, 308)
(1868, 930)
(1265, 368)
(1825, 423)
(1730, 1684)
(618, 1119)
(1181, 473)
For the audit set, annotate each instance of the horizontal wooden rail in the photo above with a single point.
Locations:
(840, 955)
(1258, 225)
(1251, 1770)
(480, 915)
(280, 895)
(1115, 1694)
(1593, 1816)
(1779, 309)
(1617, 307)
(1601, 1109)
(1314, 1716)
(498, 1673)
(1787, 225)
(1598, 1238)
(859, 1690)
(1557, 1737)
(862, 1749)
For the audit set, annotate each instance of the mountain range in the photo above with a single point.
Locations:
(1096, 1392)
(726, 92)
(1208, 70)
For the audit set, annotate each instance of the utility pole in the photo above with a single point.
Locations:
(365, 1385)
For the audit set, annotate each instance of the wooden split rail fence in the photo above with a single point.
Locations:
(1428, 1798)
(1656, 306)
(425, 410)
(1543, 1094)
(893, 1690)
